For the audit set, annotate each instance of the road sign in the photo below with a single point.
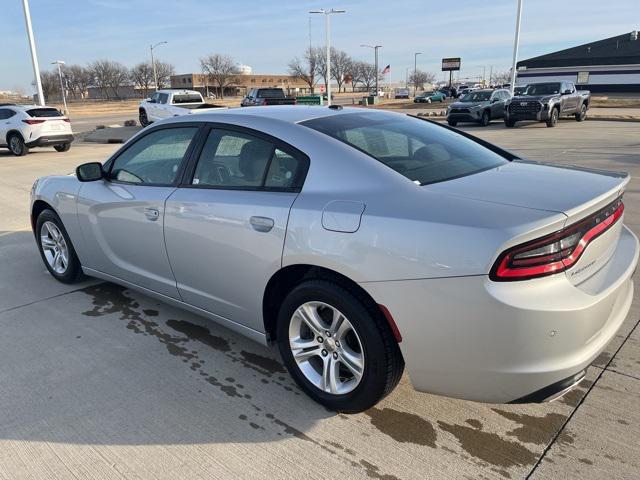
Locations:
(450, 64)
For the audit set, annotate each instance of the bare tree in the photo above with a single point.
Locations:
(307, 69)
(78, 80)
(118, 77)
(141, 76)
(50, 84)
(341, 64)
(419, 78)
(101, 71)
(500, 78)
(365, 73)
(164, 71)
(221, 69)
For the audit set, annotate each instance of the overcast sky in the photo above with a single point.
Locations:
(266, 34)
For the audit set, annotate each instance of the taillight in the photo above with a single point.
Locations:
(556, 252)
(66, 120)
(33, 122)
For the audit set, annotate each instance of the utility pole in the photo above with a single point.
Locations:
(34, 55)
(64, 97)
(375, 48)
(491, 75)
(153, 63)
(415, 69)
(327, 14)
(516, 43)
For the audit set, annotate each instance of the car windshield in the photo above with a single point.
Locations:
(44, 112)
(543, 89)
(271, 93)
(187, 98)
(421, 151)
(477, 97)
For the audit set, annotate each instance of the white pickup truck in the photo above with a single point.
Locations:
(172, 103)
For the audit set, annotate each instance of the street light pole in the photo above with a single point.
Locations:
(516, 43)
(375, 48)
(153, 63)
(327, 13)
(34, 55)
(64, 97)
(415, 69)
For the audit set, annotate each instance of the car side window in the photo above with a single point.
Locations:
(571, 87)
(155, 158)
(4, 113)
(239, 160)
(154, 97)
(163, 97)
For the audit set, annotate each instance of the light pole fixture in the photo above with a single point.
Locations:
(327, 14)
(153, 63)
(516, 43)
(415, 69)
(375, 49)
(59, 63)
(34, 55)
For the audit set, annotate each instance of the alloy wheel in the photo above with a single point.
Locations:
(54, 247)
(326, 348)
(15, 145)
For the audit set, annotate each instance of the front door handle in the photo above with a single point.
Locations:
(261, 224)
(152, 214)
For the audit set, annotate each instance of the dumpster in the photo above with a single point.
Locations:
(309, 100)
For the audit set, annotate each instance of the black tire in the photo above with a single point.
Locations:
(383, 362)
(73, 271)
(64, 147)
(509, 123)
(142, 117)
(452, 123)
(582, 114)
(16, 145)
(553, 119)
(485, 119)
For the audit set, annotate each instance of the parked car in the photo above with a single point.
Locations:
(449, 92)
(479, 106)
(547, 102)
(428, 97)
(401, 93)
(25, 126)
(172, 103)
(460, 89)
(493, 278)
(266, 96)
(462, 92)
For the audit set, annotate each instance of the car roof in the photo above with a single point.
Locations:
(286, 113)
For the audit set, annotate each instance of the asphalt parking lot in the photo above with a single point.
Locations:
(101, 382)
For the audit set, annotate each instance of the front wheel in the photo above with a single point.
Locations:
(582, 114)
(452, 123)
(486, 118)
(56, 249)
(337, 346)
(64, 147)
(144, 120)
(553, 119)
(509, 123)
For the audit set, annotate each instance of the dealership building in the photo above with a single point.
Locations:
(605, 66)
(241, 83)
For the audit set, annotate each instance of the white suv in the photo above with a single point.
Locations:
(25, 126)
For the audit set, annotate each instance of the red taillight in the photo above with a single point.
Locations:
(33, 122)
(556, 252)
(66, 120)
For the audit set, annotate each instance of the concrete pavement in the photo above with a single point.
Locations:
(101, 382)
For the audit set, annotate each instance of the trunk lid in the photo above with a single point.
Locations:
(574, 191)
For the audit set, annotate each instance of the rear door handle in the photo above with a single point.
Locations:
(152, 214)
(261, 224)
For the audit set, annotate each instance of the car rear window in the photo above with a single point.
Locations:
(44, 112)
(270, 93)
(187, 98)
(423, 152)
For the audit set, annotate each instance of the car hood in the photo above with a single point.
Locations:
(469, 104)
(532, 98)
(540, 186)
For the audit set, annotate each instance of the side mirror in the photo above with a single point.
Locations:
(495, 100)
(90, 172)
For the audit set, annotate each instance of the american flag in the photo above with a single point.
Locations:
(386, 70)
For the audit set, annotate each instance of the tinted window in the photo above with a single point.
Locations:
(155, 158)
(543, 89)
(6, 113)
(44, 112)
(271, 93)
(163, 97)
(422, 152)
(232, 159)
(477, 96)
(187, 98)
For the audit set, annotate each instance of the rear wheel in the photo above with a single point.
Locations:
(486, 118)
(56, 249)
(582, 114)
(64, 147)
(553, 119)
(337, 346)
(17, 145)
(452, 123)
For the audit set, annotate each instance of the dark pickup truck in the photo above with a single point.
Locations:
(547, 102)
(266, 96)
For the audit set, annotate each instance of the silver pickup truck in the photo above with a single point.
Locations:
(547, 102)
(172, 103)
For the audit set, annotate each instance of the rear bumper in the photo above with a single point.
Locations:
(50, 140)
(500, 342)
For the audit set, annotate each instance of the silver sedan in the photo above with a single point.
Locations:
(357, 241)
